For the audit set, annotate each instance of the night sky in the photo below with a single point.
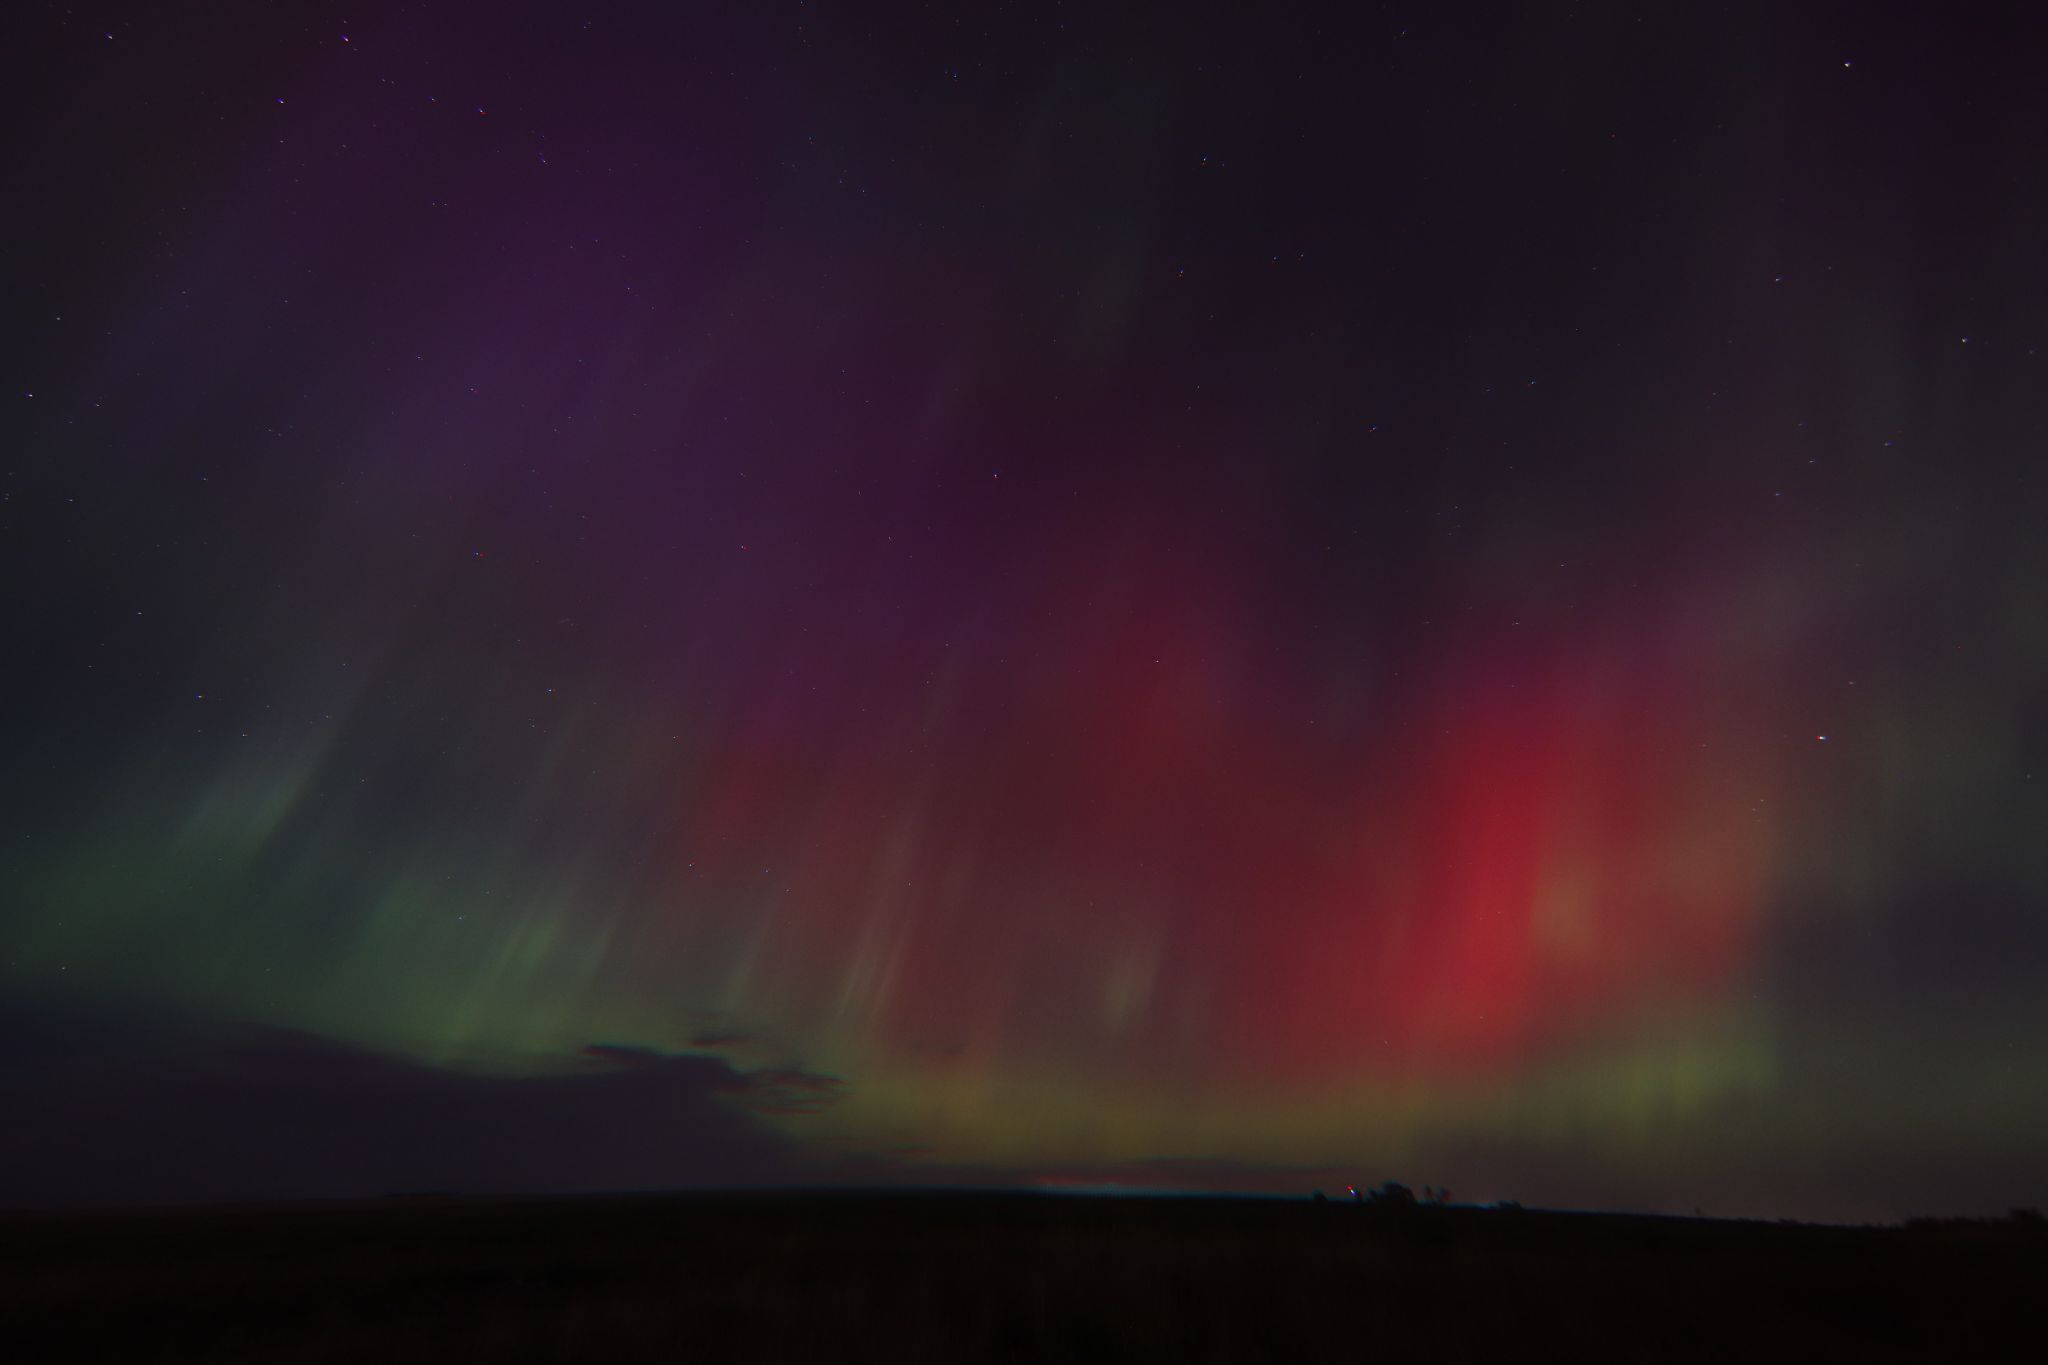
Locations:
(608, 597)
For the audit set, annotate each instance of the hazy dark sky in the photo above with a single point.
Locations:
(709, 594)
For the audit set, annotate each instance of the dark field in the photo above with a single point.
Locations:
(956, 1277)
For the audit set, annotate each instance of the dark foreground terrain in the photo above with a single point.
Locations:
(958, 1277)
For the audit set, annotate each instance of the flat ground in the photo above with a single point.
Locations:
(964, 1277)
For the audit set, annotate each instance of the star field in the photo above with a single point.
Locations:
(1043, 596)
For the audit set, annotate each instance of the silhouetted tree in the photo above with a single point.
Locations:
(1391, 1197)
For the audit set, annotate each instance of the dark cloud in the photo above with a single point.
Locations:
(110, 1109)
(779, 1090)
(128, 1110)
(787, 1091)
(720, 1040)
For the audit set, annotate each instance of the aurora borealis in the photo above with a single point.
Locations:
(1036, 596)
